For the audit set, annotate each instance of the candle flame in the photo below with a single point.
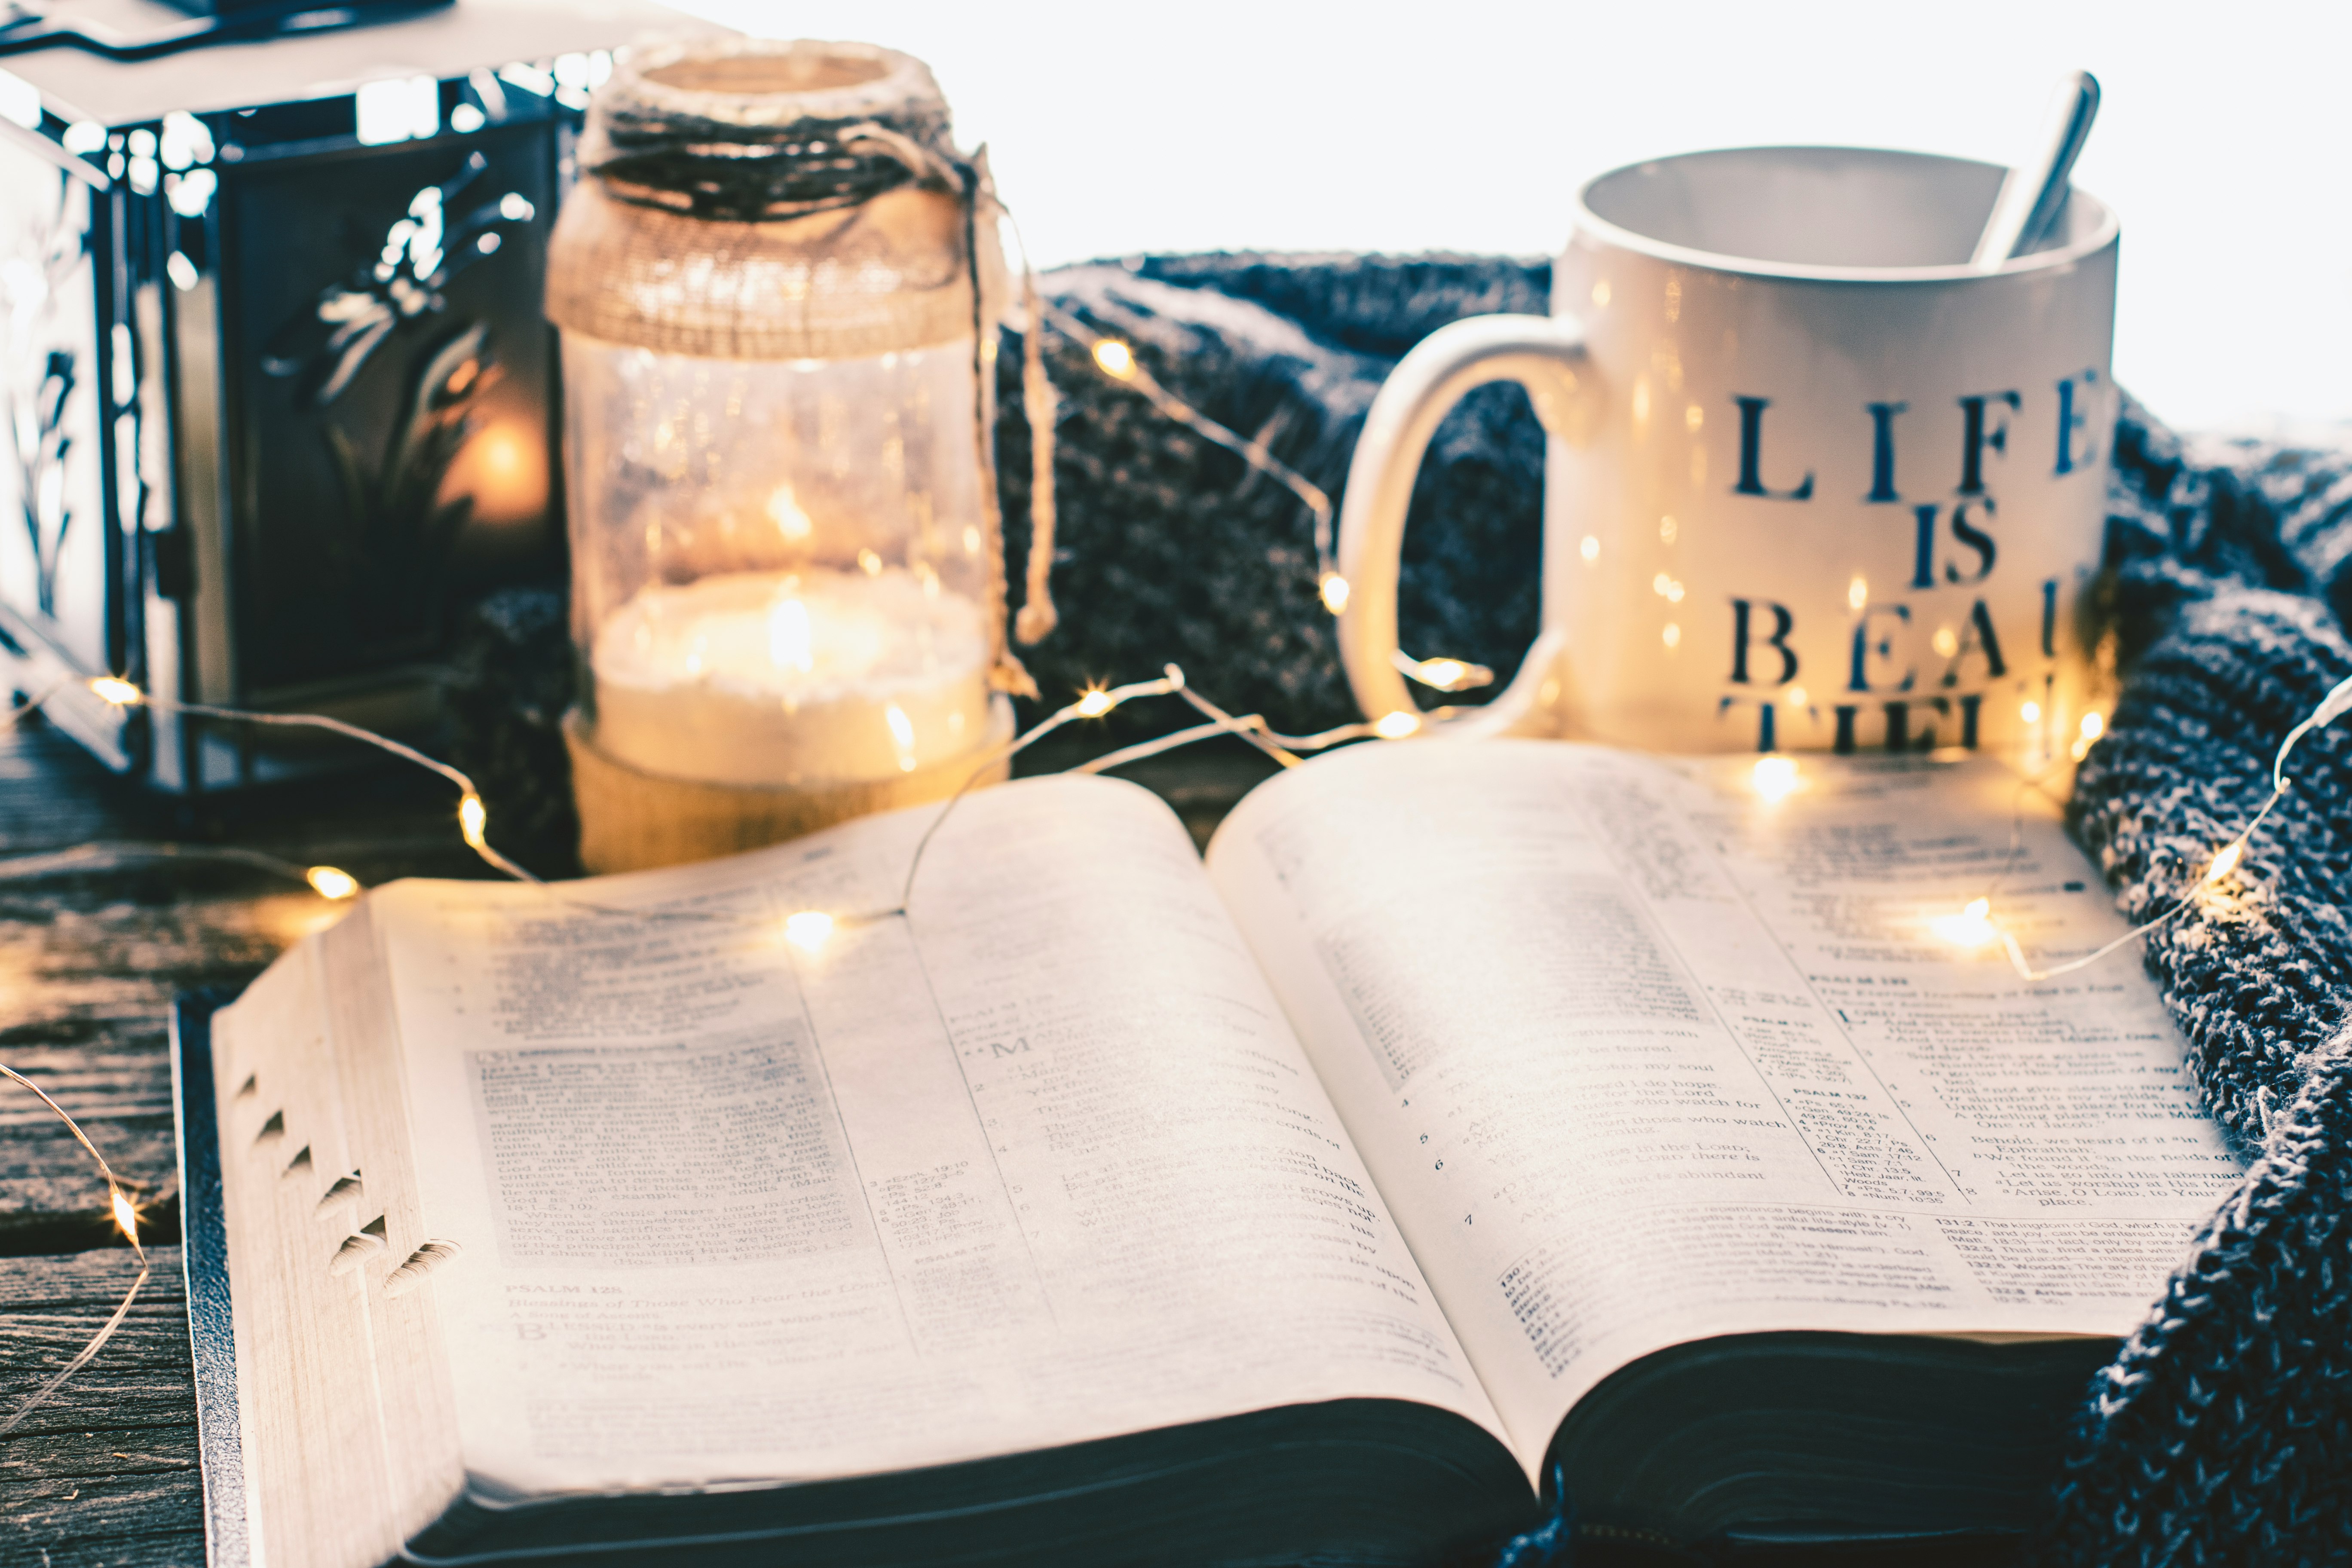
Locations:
(902, 730)
(785, 510)
(788, 637)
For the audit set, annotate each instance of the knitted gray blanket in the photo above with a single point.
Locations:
(2222, 1433)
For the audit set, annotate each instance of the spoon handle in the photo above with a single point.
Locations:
(2033, 194)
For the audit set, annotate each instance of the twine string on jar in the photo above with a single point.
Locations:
(748, 144)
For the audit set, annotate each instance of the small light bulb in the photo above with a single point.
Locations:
(2093, 726)
(1334, 593)
(472, 817)
(2226, 862)
(1857, 593)
(1093, 704)
(1971, 928)
(808, 930)
(126, 1216)
(2030, 712)
(331, 882)
(1775, 777)
(1589, 548)
(1795, 697)
(1117, 359)
(1671, 634)
(1396, 726)
(120, 692)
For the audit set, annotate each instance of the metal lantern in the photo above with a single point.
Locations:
(280, 396)
(777, 284)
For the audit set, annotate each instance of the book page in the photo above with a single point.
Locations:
(1042, 1162)
(1637, 1056)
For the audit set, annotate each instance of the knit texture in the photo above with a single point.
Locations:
(2222, 1432)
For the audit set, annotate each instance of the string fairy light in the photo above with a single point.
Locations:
(1116, 359)
(330, 882)
(124, 1211)
(1975, 927)
(811, 929)
(808, 929)
(1443, 674)
(473, 816)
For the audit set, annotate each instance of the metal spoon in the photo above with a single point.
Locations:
(2033, 194)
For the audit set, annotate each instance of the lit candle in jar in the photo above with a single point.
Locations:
(803, 677)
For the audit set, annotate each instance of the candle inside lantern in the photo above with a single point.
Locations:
(810, 676)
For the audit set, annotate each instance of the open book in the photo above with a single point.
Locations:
(1477, 1113)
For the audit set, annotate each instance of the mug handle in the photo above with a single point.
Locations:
(1546, 354)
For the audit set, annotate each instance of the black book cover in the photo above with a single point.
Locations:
(211, 1335)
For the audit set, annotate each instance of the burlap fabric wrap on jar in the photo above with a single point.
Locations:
(777, 285)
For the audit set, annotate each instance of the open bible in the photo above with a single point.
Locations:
(1477, 1119)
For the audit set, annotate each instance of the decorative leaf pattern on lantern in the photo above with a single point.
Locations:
(397, 533)
(325, 347)
(37, 384)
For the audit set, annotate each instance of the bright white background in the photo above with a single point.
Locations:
(2223, 139)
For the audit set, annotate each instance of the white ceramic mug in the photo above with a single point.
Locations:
(1812, 481)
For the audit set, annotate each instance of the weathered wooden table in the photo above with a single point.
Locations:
(104, 1475)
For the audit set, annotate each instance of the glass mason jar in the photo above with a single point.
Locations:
(787, 563)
